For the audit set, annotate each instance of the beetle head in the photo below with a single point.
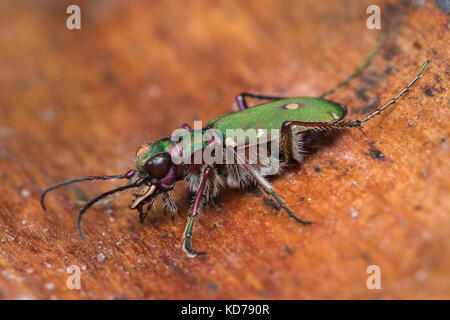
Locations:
(155, 167)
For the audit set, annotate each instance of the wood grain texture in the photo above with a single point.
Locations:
(74, 103)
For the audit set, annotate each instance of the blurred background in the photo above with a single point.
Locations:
(80, 102)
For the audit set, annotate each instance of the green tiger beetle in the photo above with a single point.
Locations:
(157, 172)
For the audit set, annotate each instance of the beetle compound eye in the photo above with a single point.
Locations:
(159, 165)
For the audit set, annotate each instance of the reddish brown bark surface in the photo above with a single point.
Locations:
(74, 103)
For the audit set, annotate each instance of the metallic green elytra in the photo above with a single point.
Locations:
(272, 115)
(212, 161)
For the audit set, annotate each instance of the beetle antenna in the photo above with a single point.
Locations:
(100, 197)
(394, 99)
(126, 175)
(354, 74)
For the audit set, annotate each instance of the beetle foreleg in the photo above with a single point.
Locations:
(187, 246)
(143, 214)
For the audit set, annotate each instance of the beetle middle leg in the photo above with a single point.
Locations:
(268, 188)
(355, 123)
(242, 103)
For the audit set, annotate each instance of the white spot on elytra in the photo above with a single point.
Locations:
(335, 116)
(292, 106)
(25, 193)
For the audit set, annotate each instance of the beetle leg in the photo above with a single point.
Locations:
(322, 125)
(242, 104)
(286, 142)
(356, 123)
(353, 75)
(187, 247)
(268, 188)
(143, 214)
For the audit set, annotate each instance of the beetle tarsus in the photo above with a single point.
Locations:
(288, 211)
(190, 252)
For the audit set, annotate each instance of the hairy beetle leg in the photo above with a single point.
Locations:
(187, 246)
(268, 188)
(288, 211)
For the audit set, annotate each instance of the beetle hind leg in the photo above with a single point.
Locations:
(353, 75)
(242, 103)
(292, 144)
